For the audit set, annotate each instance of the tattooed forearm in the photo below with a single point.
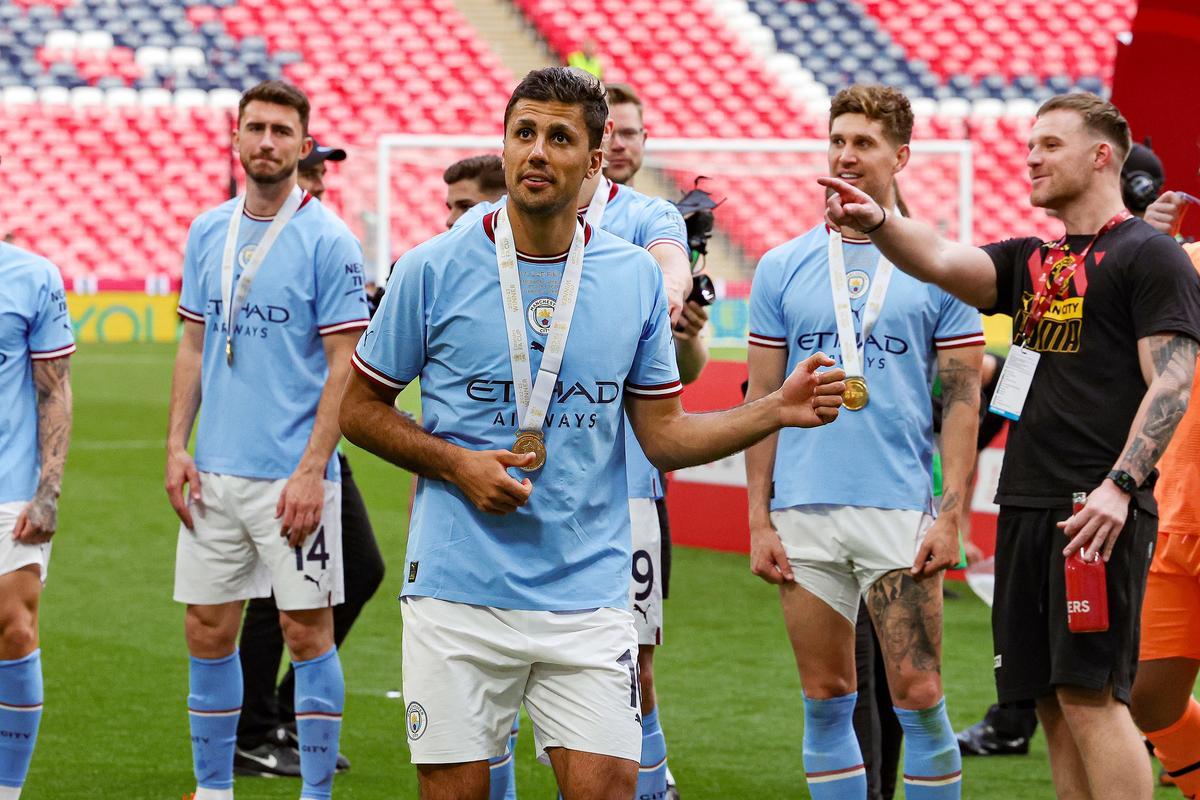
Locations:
(52, 381)
(1174, 363)
(959, 372)
(960, 383)
(908, 621)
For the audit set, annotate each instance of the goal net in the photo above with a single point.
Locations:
(768, 188)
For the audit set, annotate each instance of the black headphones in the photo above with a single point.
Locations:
(1139, 189)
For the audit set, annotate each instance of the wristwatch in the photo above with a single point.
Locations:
(1123, 480)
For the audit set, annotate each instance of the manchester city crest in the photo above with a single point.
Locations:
(417, 720)
(540, 313)
(857, 282)
(246, 254)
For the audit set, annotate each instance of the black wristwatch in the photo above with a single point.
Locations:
(1123, 480)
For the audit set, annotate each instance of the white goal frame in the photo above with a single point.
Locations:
(402, 141)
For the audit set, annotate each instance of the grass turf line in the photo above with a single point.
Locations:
(115, 724)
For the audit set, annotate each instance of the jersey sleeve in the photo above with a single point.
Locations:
(50, 334)
(341, 298)
(664, 225)
(767, 325)
(191, 293)
(392, 351)
(1008, 257)
(958, 324)
(1165, 291)
(654, 373)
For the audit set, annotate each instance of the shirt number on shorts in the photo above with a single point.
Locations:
(316, 552)
(627, 660)
(643, 574)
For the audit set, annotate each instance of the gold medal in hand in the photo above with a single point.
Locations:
(531, 442)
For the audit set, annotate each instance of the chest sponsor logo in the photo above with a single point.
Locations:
(257, 320)
(857, 282)
(1060, 330)
(582, 396)
(539, 314)
(878, 351)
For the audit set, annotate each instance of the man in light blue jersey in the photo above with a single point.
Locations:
(35, 391)
(860, 524)
(272, 302)
(516, 590)
(656, 226)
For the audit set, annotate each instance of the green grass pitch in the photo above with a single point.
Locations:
(115, 725)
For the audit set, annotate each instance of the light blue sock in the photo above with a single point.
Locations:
(932, 763)
(503, 776)
(214, 705)
(20, 713)
(833, 762)
(652, 772)
(320, 696)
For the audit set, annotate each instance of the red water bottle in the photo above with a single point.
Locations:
(1087, 587)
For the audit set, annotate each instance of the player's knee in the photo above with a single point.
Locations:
(622, 782)
(827, 687)
(306, 640)
(917, 692)
(18, 636)
(209, 633)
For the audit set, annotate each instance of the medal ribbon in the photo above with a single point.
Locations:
(1058, 266)
(595, 209)
(533, 398)
(853, 353)
(235, 297)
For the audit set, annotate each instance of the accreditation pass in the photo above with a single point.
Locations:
(1015, 379)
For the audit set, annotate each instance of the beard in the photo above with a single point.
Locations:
(267, 177)
(545, 204)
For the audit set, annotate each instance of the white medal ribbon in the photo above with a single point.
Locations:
(853, 354)
(235, 297)
(533, 398)
(595, 209)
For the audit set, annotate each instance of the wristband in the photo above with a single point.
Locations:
(880, 225)
(1124, 481)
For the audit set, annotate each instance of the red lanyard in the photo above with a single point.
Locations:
(1058, 266)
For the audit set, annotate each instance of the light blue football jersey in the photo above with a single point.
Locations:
(878, 457)
(34, 326)
(257, 415)
(644, 221)
(442, 321)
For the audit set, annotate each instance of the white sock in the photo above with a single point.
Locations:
(209, 794)
(670, 777)
(10, 793)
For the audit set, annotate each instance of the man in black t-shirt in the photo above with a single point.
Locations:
(1109, 317)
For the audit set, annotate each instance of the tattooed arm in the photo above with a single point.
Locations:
(52, 381)
(959, 370)
(1168, 362)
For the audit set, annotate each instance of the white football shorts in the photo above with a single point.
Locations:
(236, 552)
(838, 552)
(468, 668)
(645, 585)
(14, 555)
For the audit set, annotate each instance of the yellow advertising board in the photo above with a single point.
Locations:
(124, 317)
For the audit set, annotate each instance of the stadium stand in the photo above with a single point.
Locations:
(130, 102)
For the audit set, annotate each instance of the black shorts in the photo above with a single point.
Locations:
(1035, 650)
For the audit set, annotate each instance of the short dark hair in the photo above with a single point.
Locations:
(1100, 117)
(565, 85)
(486, 169)
(280, 93)
(884, 104)
(622, 93)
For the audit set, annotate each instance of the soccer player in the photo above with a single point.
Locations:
(1163, 706)
(627, 145)
(272, 303)
(35, 390)
(267, 739)
(847, 512)
(1106, 321)
(517, 588)
(471, 181)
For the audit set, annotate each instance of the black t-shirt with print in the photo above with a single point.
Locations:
(1135, 282)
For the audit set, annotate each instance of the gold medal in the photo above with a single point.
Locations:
(229, 352)
(531, 442)
(856, 396)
